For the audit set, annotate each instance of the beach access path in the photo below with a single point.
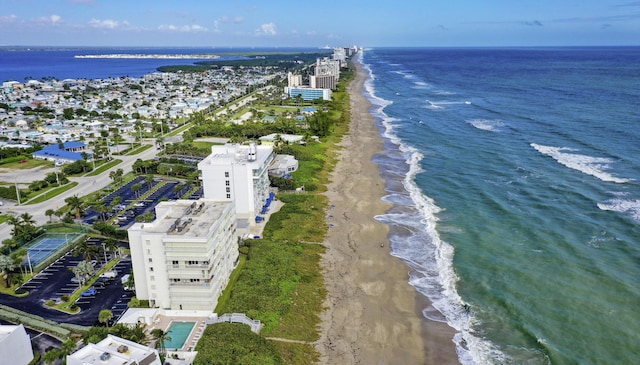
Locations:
(373, 315)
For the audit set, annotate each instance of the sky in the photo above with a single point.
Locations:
(289, 23)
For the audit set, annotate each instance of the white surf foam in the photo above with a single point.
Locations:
(594, 166)
(491, 125)
(440, 105)
(433, 272)
(629, 207)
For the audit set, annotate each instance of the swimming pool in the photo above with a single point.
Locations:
(179, 333)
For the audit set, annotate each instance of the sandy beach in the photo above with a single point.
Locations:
(372, 316)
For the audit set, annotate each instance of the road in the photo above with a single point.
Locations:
(86, 185)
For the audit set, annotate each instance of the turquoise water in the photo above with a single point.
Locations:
(179, 332)
(515, 179)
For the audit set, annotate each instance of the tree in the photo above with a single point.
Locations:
(6, 266)
(101, 208)
(111, 245)
(87, 251)
(136, 188)
(82, 271)
(50, 213)
(160, 336)
(52, 356)
(76, 205)
(105, 316)
(149, 181)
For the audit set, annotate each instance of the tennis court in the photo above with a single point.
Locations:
(46, 245)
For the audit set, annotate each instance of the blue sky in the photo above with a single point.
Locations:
(288, 23)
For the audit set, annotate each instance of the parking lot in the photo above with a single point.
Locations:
(165, 190)
(57, 281)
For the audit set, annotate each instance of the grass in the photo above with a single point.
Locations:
(281, 282)
(50, 193)
(29, 164)
(226, 293)
(104, 167)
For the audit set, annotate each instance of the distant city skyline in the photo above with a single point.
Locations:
(279, 23)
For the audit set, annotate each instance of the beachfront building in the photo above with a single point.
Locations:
(283, 166)
(323, 81)
(183, 259)
(114, 350)
(308, 93)
(15, 345)
(238, 174)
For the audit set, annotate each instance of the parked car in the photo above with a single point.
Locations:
(88, 293)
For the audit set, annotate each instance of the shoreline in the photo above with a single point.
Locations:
(372, 314)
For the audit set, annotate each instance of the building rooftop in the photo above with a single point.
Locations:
(114, 350)
(190, 218)
(222, 155)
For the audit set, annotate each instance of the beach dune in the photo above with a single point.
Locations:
(372, 316)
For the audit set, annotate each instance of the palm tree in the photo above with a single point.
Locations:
(105, 316)
(101, 208)
(149, 181)
(136, 188)
(6, 265)
(16, 222)
(82, 271)
(58, 213)
(138, 334)
(160, 336)
(86, 250)
(111, 245)
(76, 205)
(50, 213)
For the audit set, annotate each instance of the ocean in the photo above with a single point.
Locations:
(515, 176)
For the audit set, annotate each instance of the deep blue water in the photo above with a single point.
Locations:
(20, 63)
(515, 176)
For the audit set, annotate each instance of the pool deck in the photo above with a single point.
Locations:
(163, 322)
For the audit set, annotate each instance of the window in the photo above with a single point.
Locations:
(174, 262)
(228, 189)
(228, 196)
(227, 183)
(192, 262)
(150, 268)
(150, 259)
(226, 174)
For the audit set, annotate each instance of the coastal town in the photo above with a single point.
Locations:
(156, 249)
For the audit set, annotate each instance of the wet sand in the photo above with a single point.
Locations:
(372, 316)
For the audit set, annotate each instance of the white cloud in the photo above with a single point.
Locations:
(267, 29)
(105, 24)
(7, 19)
(184, 28)
(49, 20)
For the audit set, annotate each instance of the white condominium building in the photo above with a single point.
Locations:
(184, 258)
(15, 345)
(238, 174)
